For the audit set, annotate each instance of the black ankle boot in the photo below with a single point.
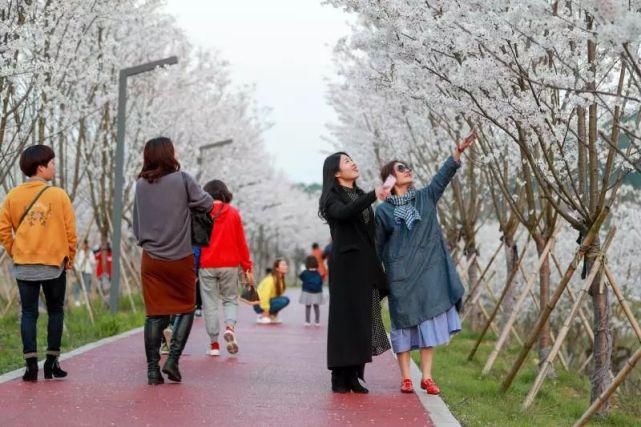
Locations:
(31, 373)
(339, 385)
(182, 328)
(354, 384)
(52, 368)
(153, 337)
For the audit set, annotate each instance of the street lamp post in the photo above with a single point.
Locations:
(199, 159)
(120, 164)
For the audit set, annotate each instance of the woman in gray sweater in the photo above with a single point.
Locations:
(425, 288)
(162, 226)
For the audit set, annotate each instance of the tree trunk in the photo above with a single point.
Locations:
(601, 376)
(545, 340)
(511, 260)
(477, 321)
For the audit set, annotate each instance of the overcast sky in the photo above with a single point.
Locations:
(285, 48)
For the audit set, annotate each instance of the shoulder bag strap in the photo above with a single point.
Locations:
(33, 202)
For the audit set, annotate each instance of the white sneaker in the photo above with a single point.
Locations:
(263, 320)
(230, 338)
(307, 324)
(317, 325)
(276, 320)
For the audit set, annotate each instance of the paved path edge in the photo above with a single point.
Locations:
(12, 375)
(434, 405)
(438, 411)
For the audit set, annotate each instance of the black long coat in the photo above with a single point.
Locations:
(354, 270)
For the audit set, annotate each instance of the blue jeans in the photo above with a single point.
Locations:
(275, 305)
(54, 291)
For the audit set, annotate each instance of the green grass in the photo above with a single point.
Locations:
(477, 401)
(78, 330)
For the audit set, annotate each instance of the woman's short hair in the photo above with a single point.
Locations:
(388, 169)
(35, 156)
(311, 262)
(218, 191)
(159, 159)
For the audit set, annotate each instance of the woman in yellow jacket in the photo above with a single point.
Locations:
(270, 291)
(38, 231)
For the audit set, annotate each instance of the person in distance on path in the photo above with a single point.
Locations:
(357, 282)
(271, 293)
(312, 293)
(317, 253)
(425, 288)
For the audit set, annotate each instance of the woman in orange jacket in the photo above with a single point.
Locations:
(38, 231)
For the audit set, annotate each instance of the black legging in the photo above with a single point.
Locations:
(308, 309)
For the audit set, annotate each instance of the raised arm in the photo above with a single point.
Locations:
(447, 171)
(442, 178)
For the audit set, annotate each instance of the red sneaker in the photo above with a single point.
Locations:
(407, 386)
(430, 386)
(214, 349)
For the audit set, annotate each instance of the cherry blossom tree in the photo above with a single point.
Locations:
(551, 86)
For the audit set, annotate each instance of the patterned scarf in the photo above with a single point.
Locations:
(404, 210)
(353, 195)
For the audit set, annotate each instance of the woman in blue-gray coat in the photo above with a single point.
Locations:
(425, 289)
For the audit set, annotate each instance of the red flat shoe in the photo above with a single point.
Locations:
(430, 386)
(407, 386)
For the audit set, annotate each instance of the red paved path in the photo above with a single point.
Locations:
(277, 378)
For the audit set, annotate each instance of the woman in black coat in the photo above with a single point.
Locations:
(356, 278)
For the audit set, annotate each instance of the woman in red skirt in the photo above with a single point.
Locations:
(162, 225)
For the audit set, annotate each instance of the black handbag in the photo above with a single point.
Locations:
(249, 294)
(202, 223)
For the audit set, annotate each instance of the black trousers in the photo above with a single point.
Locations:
(54, 291)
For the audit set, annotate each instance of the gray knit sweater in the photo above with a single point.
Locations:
(162, 223)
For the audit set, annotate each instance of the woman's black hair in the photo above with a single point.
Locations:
(218, 191)
(330, 167)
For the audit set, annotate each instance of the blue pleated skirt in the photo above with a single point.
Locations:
(430, 333)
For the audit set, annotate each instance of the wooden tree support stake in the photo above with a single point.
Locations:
(545, 366)
(515, 311)
(584, 319)
(513, 330)
(128, 289)
(506, 288)
(624, 304)
(545, 312)
(629, 366)
(474, 288)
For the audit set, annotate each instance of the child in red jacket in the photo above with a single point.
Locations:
(219, 264)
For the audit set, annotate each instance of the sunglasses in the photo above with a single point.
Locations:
(401, 168)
